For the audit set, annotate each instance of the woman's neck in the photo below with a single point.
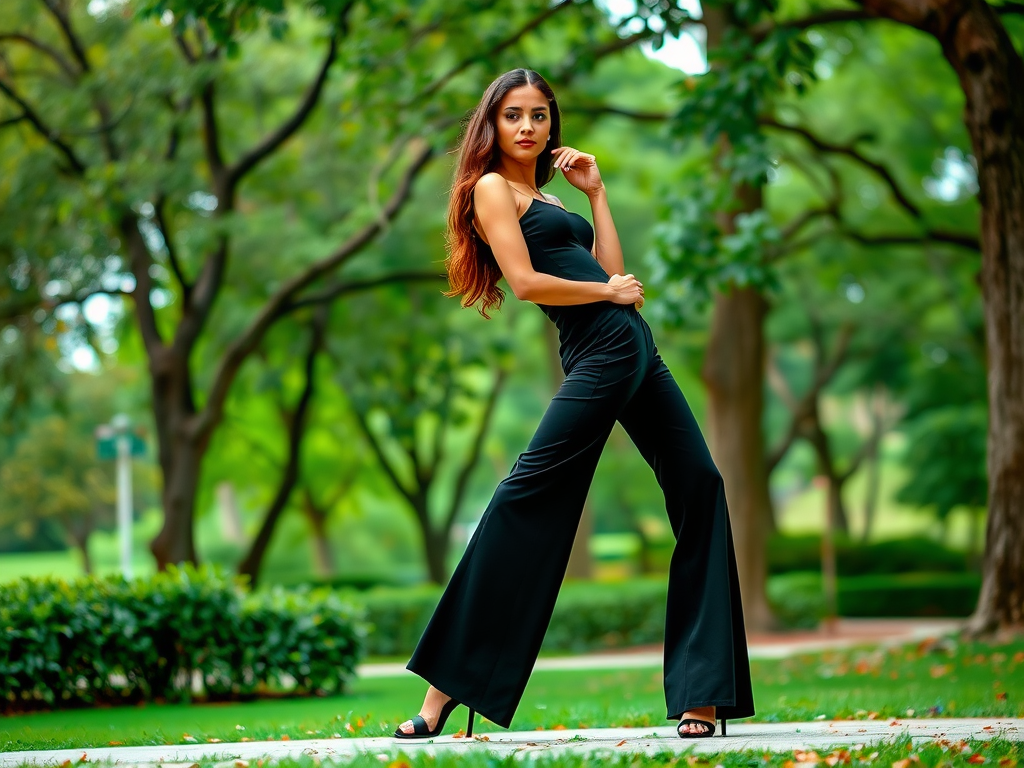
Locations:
(518, 173)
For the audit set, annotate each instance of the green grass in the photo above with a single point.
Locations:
(968, 680)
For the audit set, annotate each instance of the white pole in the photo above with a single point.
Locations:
(124, 495)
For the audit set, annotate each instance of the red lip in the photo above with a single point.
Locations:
(526, 143)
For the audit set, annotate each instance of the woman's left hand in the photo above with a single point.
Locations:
(580, 169)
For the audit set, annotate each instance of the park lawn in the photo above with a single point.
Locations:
(961, 679)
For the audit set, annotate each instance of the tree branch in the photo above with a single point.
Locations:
(49, 134)
(276, 305)
(172, 251)
(339, 289)
(53, 6)
(49, 50)
(248, 161)
(929, 235)
(140, 260)
(296, 431)
(379, 453)
(827, 16)
(528, 27)
(78, 50)
(849, 151)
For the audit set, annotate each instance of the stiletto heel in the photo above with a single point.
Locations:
(469, 725)
(419, 725)
(723, 726)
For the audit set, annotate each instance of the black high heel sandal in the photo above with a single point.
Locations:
(700, 734)
(419, 725)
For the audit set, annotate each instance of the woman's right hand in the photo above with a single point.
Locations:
(626, 289)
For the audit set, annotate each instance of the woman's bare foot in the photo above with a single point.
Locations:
(430, 711)
(699, 713)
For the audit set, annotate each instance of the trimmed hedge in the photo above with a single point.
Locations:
(90, 641)
(598, 616)
(797, 598)
(587, 616)
(855, 558)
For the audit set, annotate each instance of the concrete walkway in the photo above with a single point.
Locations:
(820, 736)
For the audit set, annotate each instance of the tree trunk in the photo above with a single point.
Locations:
(81, 543)
(874, 459)
(819, 440)
(733, 372)
(180, 459)
(321, 545)
(435, 545)
(990, 70)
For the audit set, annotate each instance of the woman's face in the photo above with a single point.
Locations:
(523, 123)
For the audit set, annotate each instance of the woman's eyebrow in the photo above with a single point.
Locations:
(535, 109)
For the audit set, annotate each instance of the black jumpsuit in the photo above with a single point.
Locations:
(484, 636)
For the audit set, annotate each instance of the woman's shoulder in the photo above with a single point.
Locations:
(493, 182)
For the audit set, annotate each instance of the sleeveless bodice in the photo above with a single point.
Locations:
(559, 242)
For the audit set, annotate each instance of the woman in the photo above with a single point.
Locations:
(484, 636)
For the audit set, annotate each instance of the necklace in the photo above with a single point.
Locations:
(530, 193)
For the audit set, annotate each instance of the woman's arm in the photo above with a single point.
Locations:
(607, 248)
(496, 208)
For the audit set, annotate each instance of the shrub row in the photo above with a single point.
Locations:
(596, 616)
(787, 553)
(168, 637)
(587, 616)
(797, 598)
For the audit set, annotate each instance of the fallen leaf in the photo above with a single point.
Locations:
(65, 764)
(115, 743)
(285, 737)
(83, 758)
(246, 738)
(901, 763)
(1001, 696)
(213, 741)
(621, 743)
(1019, 658)
(349, 728)
(558, 727)
(360, 722)
(987, 728)
(1008, 762)
(241, 764)
(976, 759)
(485, 737)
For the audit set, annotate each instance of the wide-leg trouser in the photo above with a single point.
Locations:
(484, 636)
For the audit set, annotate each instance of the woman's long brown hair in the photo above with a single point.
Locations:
(473, 272)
